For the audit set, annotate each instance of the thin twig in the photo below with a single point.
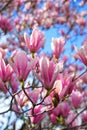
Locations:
(79, 76)
(77, 115)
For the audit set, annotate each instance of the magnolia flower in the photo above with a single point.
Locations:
(76, 98)
(5, 74)
(61, 109)
(82, 54)
(39, 114)
(5, 71)
(21, 99)
(48, 72)
(35, 41)
(81, 21)
(71, 116)
(14, 83)
(20, 65)
(55, 113)
(34, 95)
(84, 116)
(57, 46)
(64, 109)
(63, 85)
(5, 24)
(53, 118)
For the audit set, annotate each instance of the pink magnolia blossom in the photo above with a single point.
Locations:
(82, 54)
(49, 101)
(57, 86)
(84, 116)
(5, 74)
(61, 19)
(5, 24)
(5, 71)
(34, 95)
(61, 109)
(64, 109)
(35, 41)
(70, 117)
(57, 110)
(63, 85)
(14, 83)
(57, 46)
(19, 2)
(53, 118)
(47, 22)
(21, 99)
(55, 113)
(20, 65)
(16, 108)
(76, 98)
(81, 22)
(39, 114)
(48, 72)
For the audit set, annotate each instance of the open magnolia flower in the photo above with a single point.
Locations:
(57, 46)
(81, 54)
(21, 65)
(35, 41)
(63, 85)
(48, 71)
(5, 75)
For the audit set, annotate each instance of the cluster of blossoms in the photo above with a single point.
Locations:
(19, 15)
(45, 89)
(53, 93)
